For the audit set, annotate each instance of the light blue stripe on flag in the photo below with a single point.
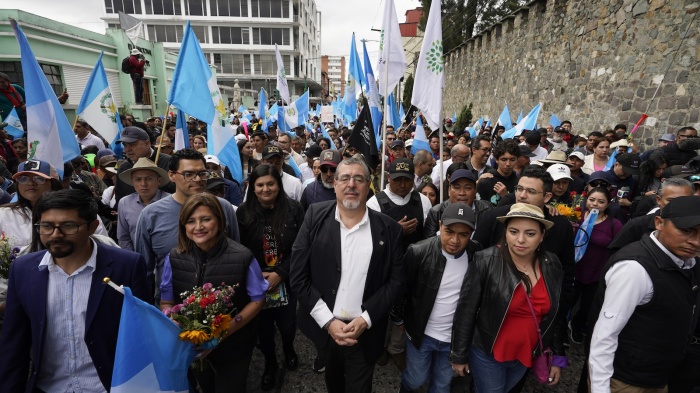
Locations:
(420, 140)
(150, 357)
(611, 161)
(14, 125)
(583, 235)
(554, 121)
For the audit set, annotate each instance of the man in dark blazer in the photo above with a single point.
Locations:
(60, 317)
(347, 270)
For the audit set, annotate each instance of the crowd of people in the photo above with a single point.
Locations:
(483, 256)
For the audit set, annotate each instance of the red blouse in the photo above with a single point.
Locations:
(518, 335)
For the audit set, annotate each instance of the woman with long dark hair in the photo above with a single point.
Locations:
(245, 151)
(650, 174)
(269, 221)
(205, 254)
(511, 293)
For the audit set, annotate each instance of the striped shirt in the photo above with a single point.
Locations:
(66, 362)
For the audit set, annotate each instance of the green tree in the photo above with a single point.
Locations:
(464, 118)
(407, 92)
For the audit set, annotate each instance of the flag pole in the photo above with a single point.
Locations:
(165, 121)
(386, 112)
(442, 174)
(114, 286)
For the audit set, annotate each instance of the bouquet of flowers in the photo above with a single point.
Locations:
(572, 211)
(205, 314)
(8, 254)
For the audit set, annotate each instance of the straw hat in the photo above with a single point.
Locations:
(144, 163)
(525, 210)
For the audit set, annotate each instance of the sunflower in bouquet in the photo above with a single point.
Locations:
(205, 314)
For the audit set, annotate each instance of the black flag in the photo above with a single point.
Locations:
(363, 139)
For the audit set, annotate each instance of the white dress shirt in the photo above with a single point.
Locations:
(628, 285)
(435, 175)
(66, 362)
(356, 252)
(292, 186)
(373, 203)
(91, 140)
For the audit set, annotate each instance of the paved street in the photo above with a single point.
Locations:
(386, 378)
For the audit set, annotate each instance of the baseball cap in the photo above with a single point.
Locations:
(559, 171)
(132, 134)
(313, 151)
(409, 143)
(560, 129)
(214, 181)
(533, 138)
(330, 157)
(458, 213)
(629, 162)
(107, 160)
(212, 159)
(105, 152)
(598, 175)
(38, 168)
(526, 151)
(683, 211)
(668, 138)
(271, 150)
(401, 167)
(462, 174)
(578, 155)
(397, 143)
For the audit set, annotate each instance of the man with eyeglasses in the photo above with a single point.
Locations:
(137, 144)
(61, 322)
(480, 152)
(322, 188)
(459, 153)
(347, 270)
(683, 149)
(156, 232)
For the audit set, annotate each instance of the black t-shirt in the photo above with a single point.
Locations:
(485, 186)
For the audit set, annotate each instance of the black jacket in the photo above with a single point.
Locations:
(485, 298)
(634, 230)
(316, 270)
(425, 266)
(432, 222)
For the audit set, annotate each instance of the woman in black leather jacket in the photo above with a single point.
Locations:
(494, 330)
(269, 221)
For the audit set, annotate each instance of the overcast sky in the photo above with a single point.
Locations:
(339, 19)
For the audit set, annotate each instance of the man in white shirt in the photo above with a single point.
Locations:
(85, 138)
(347, 270)
(459, 153)
(272, 155)
(647, 304)
(428, 311)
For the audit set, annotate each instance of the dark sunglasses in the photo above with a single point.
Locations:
(598, 183)
(326, 168)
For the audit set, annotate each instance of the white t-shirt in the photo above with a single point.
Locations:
(439, 324)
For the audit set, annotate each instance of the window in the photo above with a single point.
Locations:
(267, 64)
(228, 63)
(114, 26)
(53, 75)
(127, 6)
(201, 33)
(195, 7)
(270, 36)
(165, 33)
(163, 7)
(229, 8)
(270, 8)
(230, 35)
(13, 69)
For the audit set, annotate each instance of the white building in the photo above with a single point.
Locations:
(239, 38)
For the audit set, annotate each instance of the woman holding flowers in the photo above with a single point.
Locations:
(205, 255)
(269, 222)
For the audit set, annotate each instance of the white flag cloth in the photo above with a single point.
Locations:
(391, 57)
(282, 86)
(430, 71)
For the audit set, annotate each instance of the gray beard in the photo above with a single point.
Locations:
(351, 205)
(327, 185)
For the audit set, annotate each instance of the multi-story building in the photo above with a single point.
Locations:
(239, 37)
(335, 67)
(412, 39)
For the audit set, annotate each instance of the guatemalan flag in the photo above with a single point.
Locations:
(182, 137)
(526, 123)
(194, 90)
(150, 357)
(50, 135)
(262, 109)
(420, 140)
(14, 124)
(297, 113)
(97, 106)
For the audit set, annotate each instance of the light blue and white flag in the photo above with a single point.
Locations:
(262, 109)
(472, 132)
(392, 61)
(430, 71)
(282, 86)
(50, 135)
(97, 106)
(325, 134)
(295, 167)
(420, 140)
(271, 115)
(182, 137)
(583, 235)
(454, 118)
(611, 161)
(194, 90)
(393, 117)
(372, 94)
(504, 119)
(354, 75)
(281, 124)
(245, 114)
(527, 123)
(554, 121)
(150, 356)
(355, 65)
(402, 113)
(297, 113)
(477, 124)
(488, 123)
(520, 118)
(14, 125)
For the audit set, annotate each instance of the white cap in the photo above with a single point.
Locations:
(621, 142)
(212, 159)
(578, 155)
(559, 171)
(135, 52)
(409, 142)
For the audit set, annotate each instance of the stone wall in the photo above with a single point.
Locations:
(594, 62)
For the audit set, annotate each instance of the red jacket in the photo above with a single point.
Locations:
(136, 65)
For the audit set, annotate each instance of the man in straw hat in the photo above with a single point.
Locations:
(146, 178)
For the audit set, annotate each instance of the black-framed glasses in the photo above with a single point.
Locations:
(190, 176)
(530, 191)
(24, 179)
(326, 168)
(687, 136)
(68, 228)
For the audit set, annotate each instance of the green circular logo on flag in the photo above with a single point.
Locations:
(434, 57)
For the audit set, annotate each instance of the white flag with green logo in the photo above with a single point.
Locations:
(392, 61)
(430, 71)
(282, 78)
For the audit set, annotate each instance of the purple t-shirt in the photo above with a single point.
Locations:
(590, 268)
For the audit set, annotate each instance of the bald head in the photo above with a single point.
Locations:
(460, 153)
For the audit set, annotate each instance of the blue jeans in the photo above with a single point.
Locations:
(492, 376)
(431, 360)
